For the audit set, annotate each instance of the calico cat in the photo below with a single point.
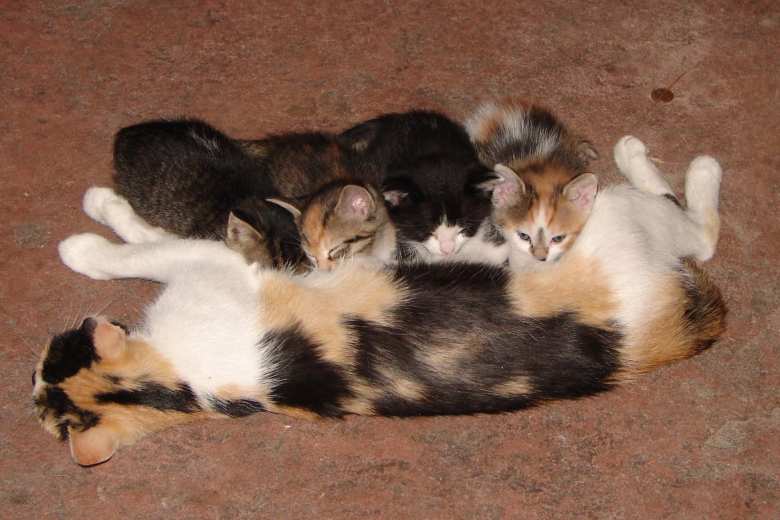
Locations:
(435, 184)
(543, 195)
(414, 339)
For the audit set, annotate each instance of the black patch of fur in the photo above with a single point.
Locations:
(154, 395)
(57, 402)
(236, 407)
(430, 159)
(69, 352)
(557, 355)
(307, 380)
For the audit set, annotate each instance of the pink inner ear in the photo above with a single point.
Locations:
(504, 194)
(360, 206)
(355, 202)
(109, 340)
(583, 194)
(394, 197)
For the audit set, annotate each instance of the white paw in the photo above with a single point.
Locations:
(702, 183)
(627, 149)
(96, 202)
(83, 253)
(706, 167)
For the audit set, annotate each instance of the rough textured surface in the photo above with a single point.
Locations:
(696, 440)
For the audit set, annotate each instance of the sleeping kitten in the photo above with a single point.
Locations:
(543, 196)
(432, 180)
(188, 178)
(341, 221)
(407, 340)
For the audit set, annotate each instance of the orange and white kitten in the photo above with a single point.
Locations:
(343, 220)
(543, 195)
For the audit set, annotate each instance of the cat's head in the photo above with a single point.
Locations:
(97, 390)
(265, 234)
(543, 207)
(438, 204)
(339, 222)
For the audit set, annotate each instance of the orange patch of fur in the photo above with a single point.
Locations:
(668, 335)
(127, 423)
(513, 388)
(574, 284)
(319, 310)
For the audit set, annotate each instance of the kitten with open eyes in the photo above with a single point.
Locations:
(544, 195)
(405, 340)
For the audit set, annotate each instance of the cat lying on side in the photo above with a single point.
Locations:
(401, 186)
(543, 195)
(226, 338)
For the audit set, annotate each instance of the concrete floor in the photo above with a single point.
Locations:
(695, 440)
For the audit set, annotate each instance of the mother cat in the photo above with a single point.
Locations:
(226, 338)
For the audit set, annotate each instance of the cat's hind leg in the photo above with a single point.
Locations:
(702, 191)
(632, 161)
(105, 206)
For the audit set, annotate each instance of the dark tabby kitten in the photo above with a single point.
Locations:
(187, 177)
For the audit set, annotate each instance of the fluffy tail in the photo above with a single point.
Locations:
(705, 312)
(690, 324)
(513, 130)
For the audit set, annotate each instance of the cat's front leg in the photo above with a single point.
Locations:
(162, 261)
(89, 254)
(105, 206)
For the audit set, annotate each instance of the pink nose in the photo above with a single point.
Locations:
(446, 247)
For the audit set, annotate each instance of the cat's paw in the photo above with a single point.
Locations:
(627, 149)
(98, 202)
(702, 183)
(83, 253)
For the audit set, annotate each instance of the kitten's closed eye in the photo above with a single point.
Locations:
(338, 252)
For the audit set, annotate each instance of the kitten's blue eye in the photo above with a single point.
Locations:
(557, 239)
(523, 236)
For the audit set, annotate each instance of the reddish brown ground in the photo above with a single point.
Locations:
(696, 440)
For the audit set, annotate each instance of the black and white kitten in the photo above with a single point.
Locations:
(434, 184)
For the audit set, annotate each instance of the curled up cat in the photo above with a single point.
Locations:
(229, 339)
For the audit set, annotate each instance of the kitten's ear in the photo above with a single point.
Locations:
(506, 187)
(394, 197)
(288, 205)
(93, 446)
(355, 203)
(581, 190)
(400, 190)
(110, 340)
(240, 235)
